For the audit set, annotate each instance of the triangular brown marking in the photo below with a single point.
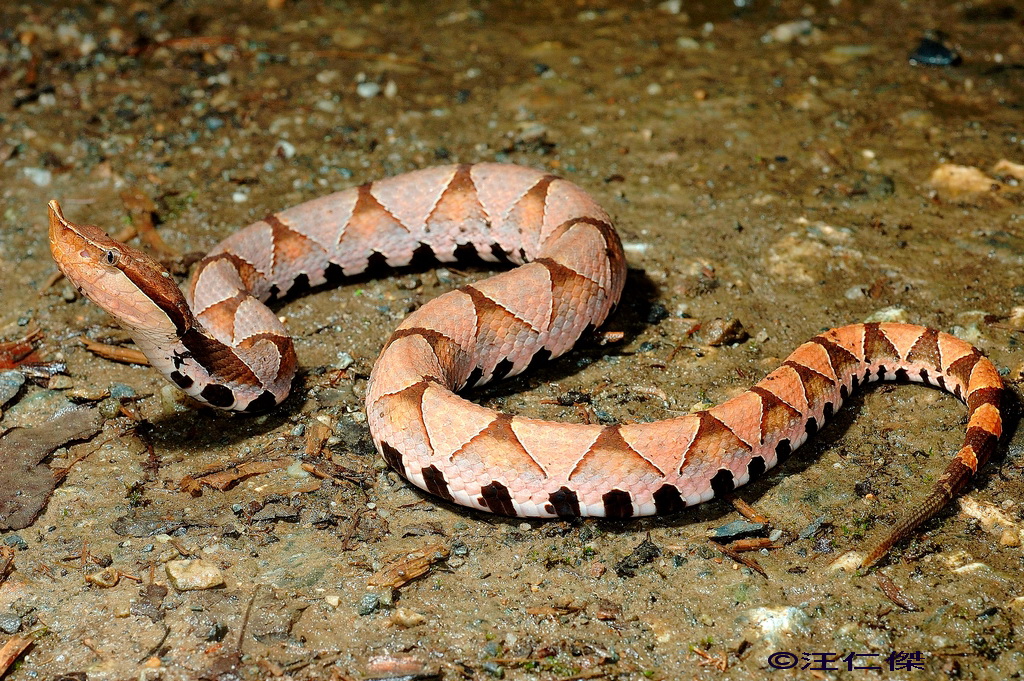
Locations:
(712, 442)
(459, 202)
(250, 277)
(369, 210)
(393, 458)
(289, 247)
(495, 496)
(285, 347)
(776, 415)
(565, 503)
(877, 345)
(434, 480)
(488, 309)
(961, 369)
(218, 359)
(818, 388)
(501, 441)
(535, 197)
(842, 360)
(610, 450)
(567, 286)
(450, 356)
(926, 350)
(221, 315)
(617, 504)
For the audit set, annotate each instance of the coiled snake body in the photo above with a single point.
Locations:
(222, 345)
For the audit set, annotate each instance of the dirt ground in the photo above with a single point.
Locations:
(783, 164)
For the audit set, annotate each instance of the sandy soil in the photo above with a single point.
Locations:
(766, 162)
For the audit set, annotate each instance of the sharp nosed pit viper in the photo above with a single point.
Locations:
(220, 344)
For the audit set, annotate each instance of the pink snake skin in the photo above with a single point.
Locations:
(222, 345)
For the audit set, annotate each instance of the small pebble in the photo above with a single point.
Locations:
(723, 332)
(406, 618)
(888, 314)
(41, 177)
(10, 624)
(62, 382)
(333, 600)
(284, 149)
(10, 384)
(368, 90)
(367, 604)
(931, 52)
(121, 391)
(193, 575)
(737, 528)
(299, 430)
(1010, 538)
(15, 541)
(344, 360)
(813, 528)
(494, 669)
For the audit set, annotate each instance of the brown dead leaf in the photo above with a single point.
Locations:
(13, 353)
(115, 352)
(410, 566)
(141, 210)
(25, 482)
(226, 478)
(11, 651)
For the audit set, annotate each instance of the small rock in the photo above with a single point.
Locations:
(723, 332)
(931, 52)
(494, 669)
(645, 552)
(776, 624)
(736, 529)
(813, 528)
(41, 177)
(10, 384)
(802, 31)
(333, 600)
(193, 575)
(368, 89)
(62, 382)
(367, 604)
(217, 632)
(120, 391)
(956, 180)
(405, 618)
(15, 541)
(1010, 538)
(284, 149)
(10, 624)
(848, 562)
(656, 313)
(887, 314)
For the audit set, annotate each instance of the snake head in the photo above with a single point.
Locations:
(130, 285)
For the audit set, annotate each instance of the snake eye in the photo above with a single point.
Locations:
(111, 257)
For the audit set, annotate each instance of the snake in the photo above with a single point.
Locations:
(565, 271)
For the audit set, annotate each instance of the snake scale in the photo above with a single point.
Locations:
(220, 344)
